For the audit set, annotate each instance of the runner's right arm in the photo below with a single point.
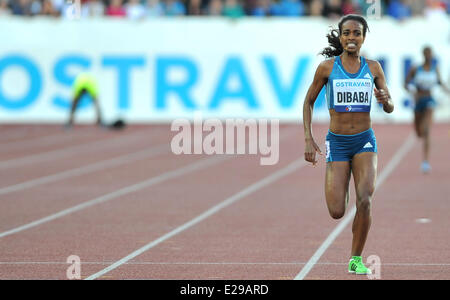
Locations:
(320, 79)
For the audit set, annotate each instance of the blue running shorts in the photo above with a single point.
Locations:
(424, 103)
(340, 147)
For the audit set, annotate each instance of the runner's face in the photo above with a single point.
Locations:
(352, 36)
(428, 54)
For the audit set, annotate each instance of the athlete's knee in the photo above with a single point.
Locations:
(337, 214)
(336, 205)
(364, 205)
(364, 197)
(418, 133)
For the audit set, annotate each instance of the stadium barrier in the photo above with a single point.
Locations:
(162, 69)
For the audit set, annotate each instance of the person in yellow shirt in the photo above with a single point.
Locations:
(85, 83)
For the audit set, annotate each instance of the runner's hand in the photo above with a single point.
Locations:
(310, 151)
(381, 95)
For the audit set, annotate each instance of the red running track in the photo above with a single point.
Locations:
(130, 209)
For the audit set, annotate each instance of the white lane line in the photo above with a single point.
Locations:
(20, 132)
(105, 164)
(198, 165)
(47, 140)
(236, 197)
(396, 159)
(77, 149)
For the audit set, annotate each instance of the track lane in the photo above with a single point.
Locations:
(160, 203)
(212, 249)
(49, 163)
(269, 235)
(407, 249)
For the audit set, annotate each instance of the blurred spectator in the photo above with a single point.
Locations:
(288, 8)
(36, 7)
(261, 8)
(399, 9)
(435, 9)
(115, 9)
(174, 8)
(92, 8)
(48, 9)
(4, 8)
(215, 8)
(417, 8)
(135, 10)
(61, 6)
(233, 9)
(21, 7)
(316, 8)
(333, 9)
(154, 8)
(194, 7)
(249, 6)
(350, 7)
(68, 9)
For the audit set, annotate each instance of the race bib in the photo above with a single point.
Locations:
(352, 95)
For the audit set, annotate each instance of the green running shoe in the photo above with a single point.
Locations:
(356, 266)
